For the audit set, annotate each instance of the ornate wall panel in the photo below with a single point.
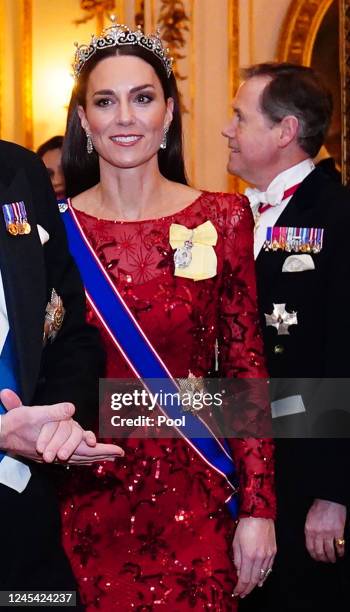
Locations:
(299, 43)
(300, 29)
(345, 64)
(99, 10)
(140, 12)
(345, 87)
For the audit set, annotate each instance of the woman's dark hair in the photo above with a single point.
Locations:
(299, 91)
(56, 142)
(81, 169)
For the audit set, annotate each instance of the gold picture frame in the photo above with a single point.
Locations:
(303, 24)
(345, 87)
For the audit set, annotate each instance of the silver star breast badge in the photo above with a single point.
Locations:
(54, 316)
(281, 319)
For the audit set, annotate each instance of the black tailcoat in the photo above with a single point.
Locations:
(316, 348)
(66, 369)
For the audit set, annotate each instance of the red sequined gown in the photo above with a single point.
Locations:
(152, 531)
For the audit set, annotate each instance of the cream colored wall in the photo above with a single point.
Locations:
(11, 103)
(53, 36)
(210, 94)
(260, 26)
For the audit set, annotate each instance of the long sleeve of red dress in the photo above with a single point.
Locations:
(241, 356)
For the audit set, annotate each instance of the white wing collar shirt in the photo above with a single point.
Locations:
(13, 473)
(274, 197)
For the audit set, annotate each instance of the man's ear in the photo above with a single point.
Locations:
(289, 127)
(83, 120)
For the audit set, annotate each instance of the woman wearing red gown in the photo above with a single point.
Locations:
(152, 531)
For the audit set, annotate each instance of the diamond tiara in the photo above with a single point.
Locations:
(118, 35)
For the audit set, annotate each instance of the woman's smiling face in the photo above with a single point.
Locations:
(125, 111)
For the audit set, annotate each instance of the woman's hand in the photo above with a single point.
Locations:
(254, 549)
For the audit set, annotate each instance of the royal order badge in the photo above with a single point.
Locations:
(54, 316)
(281, 319)
(183, 255)
(191, 393)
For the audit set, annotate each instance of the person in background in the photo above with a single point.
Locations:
(51, 154)
(281, 116)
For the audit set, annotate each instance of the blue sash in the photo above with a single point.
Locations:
(127, 335)
(7, 369)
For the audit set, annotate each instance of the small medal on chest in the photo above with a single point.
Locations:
(183, 255)
(16, 219)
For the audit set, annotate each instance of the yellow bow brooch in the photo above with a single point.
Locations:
(194, 256)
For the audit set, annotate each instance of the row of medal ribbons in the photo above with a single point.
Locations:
(294, 239)
(16, 220)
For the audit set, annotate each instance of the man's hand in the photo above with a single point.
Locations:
(60, 440)
(86, 455)
(21, 426)
(254, 549)
(325, 523)
(44, 433)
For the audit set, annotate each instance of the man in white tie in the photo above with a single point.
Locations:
(302, 226)
(50, 361)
